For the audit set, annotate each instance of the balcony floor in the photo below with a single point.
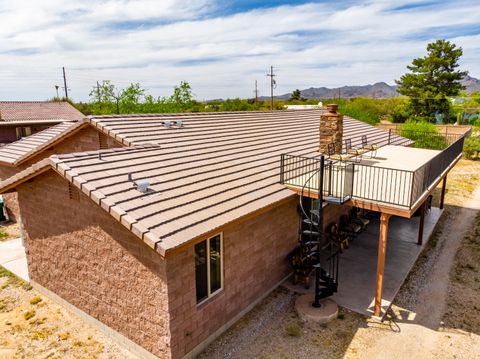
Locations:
(400, 158)
(358, 264)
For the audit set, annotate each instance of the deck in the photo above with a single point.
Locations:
(396, 177)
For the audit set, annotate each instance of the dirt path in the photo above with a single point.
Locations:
(432, 303)
(416, 322)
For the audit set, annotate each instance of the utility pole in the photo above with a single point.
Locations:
(98, 91)
(272, 84)
(339, 93)
(256, 92)
(65, 83)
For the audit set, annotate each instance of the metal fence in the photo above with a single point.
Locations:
(426, 175)
(345, 180)
(304, 173)
(385, 185)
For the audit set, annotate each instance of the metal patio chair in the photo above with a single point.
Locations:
(357, 152)
(342, 157)
(371, 147)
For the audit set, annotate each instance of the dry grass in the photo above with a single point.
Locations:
(9, 231)
(462, 181)
(31, 326)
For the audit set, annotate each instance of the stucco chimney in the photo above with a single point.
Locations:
(331, 129)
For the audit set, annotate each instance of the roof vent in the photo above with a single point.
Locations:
(179, 123)
(142, 186)
(167, 124)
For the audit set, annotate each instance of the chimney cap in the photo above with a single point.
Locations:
(332, 107)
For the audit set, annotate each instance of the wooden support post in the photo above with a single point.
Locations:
(423, 209)
(444, 187)
(382, 252)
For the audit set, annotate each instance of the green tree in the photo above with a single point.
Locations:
(182, 96)
(432, 80)
(296, 95)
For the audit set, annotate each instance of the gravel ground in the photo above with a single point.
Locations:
(273, 330)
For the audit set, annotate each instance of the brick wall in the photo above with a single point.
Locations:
(333, 212)
(8, 134)
(254, 261)
(78, 251)
(86, 139)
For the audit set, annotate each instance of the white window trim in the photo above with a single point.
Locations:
(219, 290)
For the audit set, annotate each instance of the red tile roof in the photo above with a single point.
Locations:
(38, 111)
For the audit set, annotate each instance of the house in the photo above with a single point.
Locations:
(100, 132)
(65, 137)
(23, 118)
(171, 238)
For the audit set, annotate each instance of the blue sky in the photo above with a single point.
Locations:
(222, 47)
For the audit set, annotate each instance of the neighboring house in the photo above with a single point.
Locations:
(171, 239)
(65, 137)
(23, 118)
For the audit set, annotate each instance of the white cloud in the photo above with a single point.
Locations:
(160, 43)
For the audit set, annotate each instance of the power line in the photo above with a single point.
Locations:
(272, 84)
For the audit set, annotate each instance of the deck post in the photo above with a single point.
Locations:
(382, 252)
(423, 209)
(444, 187)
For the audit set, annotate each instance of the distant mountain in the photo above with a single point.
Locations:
(471, 83)
(377, 90)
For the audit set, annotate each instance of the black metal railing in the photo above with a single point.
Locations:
(346, 180)
(303, 172)
(385, 185)
(426, 175)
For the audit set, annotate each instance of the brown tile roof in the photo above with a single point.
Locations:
(38, 111)
(215, 169)
(17, 152)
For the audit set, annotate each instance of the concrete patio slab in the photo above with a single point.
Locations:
(358, 264)
(13, 258)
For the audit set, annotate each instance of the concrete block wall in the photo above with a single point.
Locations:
(333, 212)
(78, 251)
(254, 261)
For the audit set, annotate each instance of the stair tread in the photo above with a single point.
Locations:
(309, 221)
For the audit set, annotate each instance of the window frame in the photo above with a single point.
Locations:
(23, 131)
(211, 295)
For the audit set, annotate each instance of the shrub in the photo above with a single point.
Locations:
(424, 134)
(471, 148)
(29, 314)
(367, 109)
(293, 329)
(35, 300)
(400, 113)
(3, 233)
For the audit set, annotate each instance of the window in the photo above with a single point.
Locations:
(208, 267)
(23, 132)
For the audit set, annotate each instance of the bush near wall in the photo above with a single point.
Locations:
(471, 148)
(371, 110)
(425, 135)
